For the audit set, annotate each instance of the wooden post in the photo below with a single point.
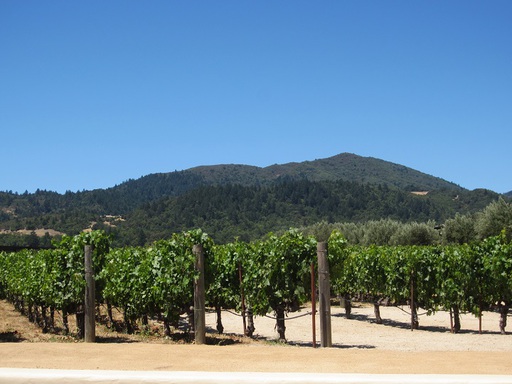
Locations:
(90, 294)
(324, 289)
(199, 297)
(313, 303)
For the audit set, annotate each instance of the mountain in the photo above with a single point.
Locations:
(125, 197)
(249, 212)
(231, 200)
(345, 166)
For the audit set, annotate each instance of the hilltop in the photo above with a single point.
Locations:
(233, 200)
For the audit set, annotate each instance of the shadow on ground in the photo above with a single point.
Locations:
(339, 346)
(114, 340)
(407, 325)
(11, 337)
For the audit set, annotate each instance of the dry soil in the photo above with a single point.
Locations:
(359, 346)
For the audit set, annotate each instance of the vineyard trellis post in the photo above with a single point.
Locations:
(199, 296)
(90, 295)
(324, 295)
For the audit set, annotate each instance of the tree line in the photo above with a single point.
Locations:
(249, 212)
(460, 229)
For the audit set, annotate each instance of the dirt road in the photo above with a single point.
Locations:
(360, 346)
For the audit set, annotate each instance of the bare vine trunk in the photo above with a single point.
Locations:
(19, 305)
(456, 319)
(415, 323)
(65, 321)
(347, 304)
(220, 327)
(110, 315)
(250, 322)
(167, 327)
(280, 322)
(376, 310)
(503, 318)
(80, 322)
(128, 323)
(36, 315)
(31, 316)
(52, 319)
(45, 320)
(190, 317)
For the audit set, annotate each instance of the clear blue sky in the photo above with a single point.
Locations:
(93, 93)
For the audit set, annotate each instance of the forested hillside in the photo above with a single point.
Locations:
(345, 166)
(243, 201)
(231, 211)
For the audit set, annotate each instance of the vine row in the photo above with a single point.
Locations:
(270, 275)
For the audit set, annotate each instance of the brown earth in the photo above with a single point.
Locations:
(359, 346)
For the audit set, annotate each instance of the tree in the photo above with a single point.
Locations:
(416, 234)
(494, 218)
(459, 230)
(380, 232)
(320, 231)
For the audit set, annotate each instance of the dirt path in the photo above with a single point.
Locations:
(247, 358)
(361, 346)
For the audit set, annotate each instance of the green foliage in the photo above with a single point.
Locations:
(341, 267)
(222, 274)
(155, 280)
(454, 276)
(321, 231)
(12, 241)
(276, 274)
(459, 230)
(473, 277)
(248, 212)
(70, 255)
(345, 166)
(381, 232)
(496, 217)
(236, 201)
(53, 277)
(416, 234)
(492, 272)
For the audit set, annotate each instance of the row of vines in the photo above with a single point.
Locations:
(257, 278)
(470, 278)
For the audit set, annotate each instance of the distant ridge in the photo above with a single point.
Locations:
(231, 200)
(345, 166)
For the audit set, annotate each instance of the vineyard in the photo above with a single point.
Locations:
(270, 276)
